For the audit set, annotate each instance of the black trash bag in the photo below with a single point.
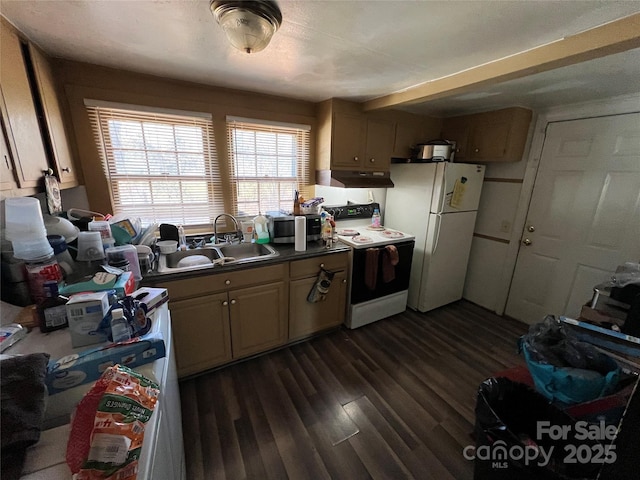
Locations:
(512, 419)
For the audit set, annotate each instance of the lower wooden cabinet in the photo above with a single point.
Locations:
(226, 316)
(201, 333)
(306, 318)
(258, 317)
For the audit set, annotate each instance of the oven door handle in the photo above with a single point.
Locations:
(438, 223)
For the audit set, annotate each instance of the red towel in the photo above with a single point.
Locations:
(390, 259)
(371, 268)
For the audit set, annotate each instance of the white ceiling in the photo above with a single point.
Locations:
(356, 50)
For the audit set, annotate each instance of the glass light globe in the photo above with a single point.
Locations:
(247, 31)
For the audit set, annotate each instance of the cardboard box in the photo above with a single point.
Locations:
(87, 366)
(85, 311)
(150, 297)
(123, 285)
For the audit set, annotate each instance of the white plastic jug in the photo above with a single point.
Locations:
(260, 226)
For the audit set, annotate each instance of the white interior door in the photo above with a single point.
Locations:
(584, 216)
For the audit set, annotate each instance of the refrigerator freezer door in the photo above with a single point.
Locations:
(457, 187)
(446, 256)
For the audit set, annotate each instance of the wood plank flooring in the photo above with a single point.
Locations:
(394, 399)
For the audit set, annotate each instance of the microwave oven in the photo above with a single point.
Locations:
(282, 227)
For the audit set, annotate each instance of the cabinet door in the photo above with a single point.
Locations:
(347, 147)
(490, 138)
(7, 181)
(200, 328)
(306, 318)
(258, 318)
(458, 131)
(61, 149)
(23, 130)
(380, 137)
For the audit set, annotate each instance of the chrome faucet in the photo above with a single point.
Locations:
(227, 236)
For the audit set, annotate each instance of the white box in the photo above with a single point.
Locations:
(85, 311)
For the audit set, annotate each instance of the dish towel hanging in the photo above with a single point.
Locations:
(371, 268)
(390, 259)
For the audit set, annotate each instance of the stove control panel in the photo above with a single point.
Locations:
(352, 211)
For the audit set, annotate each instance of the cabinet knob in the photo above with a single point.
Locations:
(227, 282)
(322, 265)
(356, 159)
(233, 302)
(344, 280)
(477, 150)
(372, 160)
(527, 242)
(531, 228)
(66, 170)
(225, 303)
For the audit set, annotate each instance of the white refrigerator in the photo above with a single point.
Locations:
(438, 203)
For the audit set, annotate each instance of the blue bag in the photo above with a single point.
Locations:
(565, 369)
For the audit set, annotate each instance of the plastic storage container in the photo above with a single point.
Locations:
(125, 252)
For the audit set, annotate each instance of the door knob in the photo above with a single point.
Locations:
(531, 228)
(527, 242)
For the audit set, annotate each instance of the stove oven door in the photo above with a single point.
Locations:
(368, 278)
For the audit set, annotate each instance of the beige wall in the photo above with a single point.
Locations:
(84, 81)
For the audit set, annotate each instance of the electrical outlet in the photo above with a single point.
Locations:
(505, 226)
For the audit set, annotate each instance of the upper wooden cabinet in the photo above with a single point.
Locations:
(350, 140)
(498, 136)
(19, 112)
(61, 156)
(32, 113)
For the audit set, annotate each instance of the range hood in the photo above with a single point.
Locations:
(353, 179)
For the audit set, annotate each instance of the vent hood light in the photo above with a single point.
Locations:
(348, 179)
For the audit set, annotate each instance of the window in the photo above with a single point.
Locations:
(162, 165)
(269, 161)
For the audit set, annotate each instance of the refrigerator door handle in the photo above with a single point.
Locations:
(435, 244)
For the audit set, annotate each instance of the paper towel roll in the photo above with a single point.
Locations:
(301, 233)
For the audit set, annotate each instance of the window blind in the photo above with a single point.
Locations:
(162, 167)
(268, 161)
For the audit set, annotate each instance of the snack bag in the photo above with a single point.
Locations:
(107, 429)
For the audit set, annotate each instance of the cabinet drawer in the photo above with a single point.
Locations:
(311, 266)
(194, 287)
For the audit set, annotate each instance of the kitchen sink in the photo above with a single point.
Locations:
(209, 256)
(247, 251)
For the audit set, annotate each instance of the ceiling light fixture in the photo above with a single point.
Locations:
(249, 25)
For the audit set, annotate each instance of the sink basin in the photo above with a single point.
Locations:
(204, 257)
(188, 260)
(247, 251)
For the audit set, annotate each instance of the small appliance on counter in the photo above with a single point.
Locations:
(282, 227)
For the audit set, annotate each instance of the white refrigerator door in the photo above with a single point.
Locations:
(457, 187)
(444, 267)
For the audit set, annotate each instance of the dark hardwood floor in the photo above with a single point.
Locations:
(394, 399)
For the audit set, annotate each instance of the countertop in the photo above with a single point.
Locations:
(286, 253)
